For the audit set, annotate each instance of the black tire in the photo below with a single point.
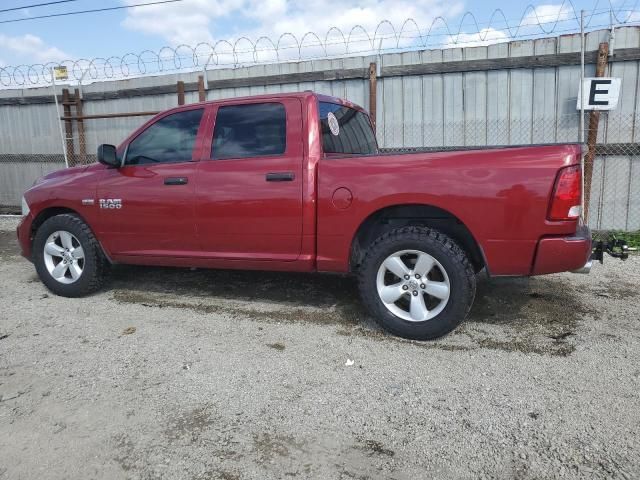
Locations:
(95, 265)
(451, 257)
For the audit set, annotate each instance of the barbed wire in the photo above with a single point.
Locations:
(335, 44)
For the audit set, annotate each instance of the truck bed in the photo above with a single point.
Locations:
(501, 195)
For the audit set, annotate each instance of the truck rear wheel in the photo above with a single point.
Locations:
(67, 256)
(417, 283)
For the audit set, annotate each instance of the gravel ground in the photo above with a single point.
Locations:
(173, 373)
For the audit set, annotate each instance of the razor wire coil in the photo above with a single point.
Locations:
(335, 43)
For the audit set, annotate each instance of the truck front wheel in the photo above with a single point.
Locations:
(67, 256)
(417, 283)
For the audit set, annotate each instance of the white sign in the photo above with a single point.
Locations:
(599, 93)
(60, 73)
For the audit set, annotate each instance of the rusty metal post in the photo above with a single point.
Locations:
(114, 115)
(82, 144)
(373, 81)
(68, 126)
(180, 88)
(202, 95)
(592, 135)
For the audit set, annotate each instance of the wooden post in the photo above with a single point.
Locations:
(68, 127)
(82, 144)
(373, 81)
(592, 134)
(202, 95)
(180, 88)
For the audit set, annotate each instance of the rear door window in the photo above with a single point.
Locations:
(346, 130)
(251, 130)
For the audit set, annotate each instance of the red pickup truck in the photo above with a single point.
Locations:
(296, 182)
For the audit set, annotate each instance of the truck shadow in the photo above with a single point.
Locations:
(529, 315)
(301, 289)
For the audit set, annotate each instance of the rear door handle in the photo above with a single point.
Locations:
(280, 177)
(176, 181)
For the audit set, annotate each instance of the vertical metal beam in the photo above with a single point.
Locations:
(585, 208)
(202, 94)
(82, 144)
(55, 100)
(204, 74)
(180, 88)
(373, 82)
(592, 137)
(68, 126)
(582, 47)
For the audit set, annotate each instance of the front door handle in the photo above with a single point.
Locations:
(280, 177)
(176, 181)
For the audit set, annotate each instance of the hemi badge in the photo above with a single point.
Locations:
(88, 201)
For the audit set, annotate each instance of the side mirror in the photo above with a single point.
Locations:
(107, 155)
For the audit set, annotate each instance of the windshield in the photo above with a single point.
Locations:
(346, 130)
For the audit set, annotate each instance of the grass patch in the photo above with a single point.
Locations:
(632, 239)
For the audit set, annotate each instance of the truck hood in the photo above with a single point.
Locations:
(68, 172)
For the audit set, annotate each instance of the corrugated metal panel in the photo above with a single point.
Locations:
(521, 97)
(453, 98)
(615, 193)
(633, 200)
(544, 95)
(475, 100)
(498, 99)
(432, 103)
(15, 178)
(412, 108)
(390, 105)
(451, 109)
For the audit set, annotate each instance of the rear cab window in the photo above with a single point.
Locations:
(345, 130)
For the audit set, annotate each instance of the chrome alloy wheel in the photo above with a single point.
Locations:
(63, 257)
(413, 285)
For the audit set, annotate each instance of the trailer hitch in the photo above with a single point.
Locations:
(613, 246)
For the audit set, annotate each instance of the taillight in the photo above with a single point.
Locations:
(567, 194)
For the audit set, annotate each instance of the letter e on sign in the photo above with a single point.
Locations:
(599, 93)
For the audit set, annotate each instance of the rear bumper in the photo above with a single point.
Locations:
(564, 254)
(586, 268)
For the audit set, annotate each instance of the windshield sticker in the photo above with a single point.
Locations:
(334, 126)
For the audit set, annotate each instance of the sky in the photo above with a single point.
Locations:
(115, 33)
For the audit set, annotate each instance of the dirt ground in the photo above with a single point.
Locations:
(195, 374)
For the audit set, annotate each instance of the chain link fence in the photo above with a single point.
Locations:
(85, 137)
(614, 186)
(441, 134)
(613, 191)
(37, 139)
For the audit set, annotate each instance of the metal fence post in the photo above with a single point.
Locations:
(592, 137)
(582, 47)
(202, 94)
(55, 99)
(373, 82)
(581, 133)
(180, 89)
(68, 125)
(82, 144)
